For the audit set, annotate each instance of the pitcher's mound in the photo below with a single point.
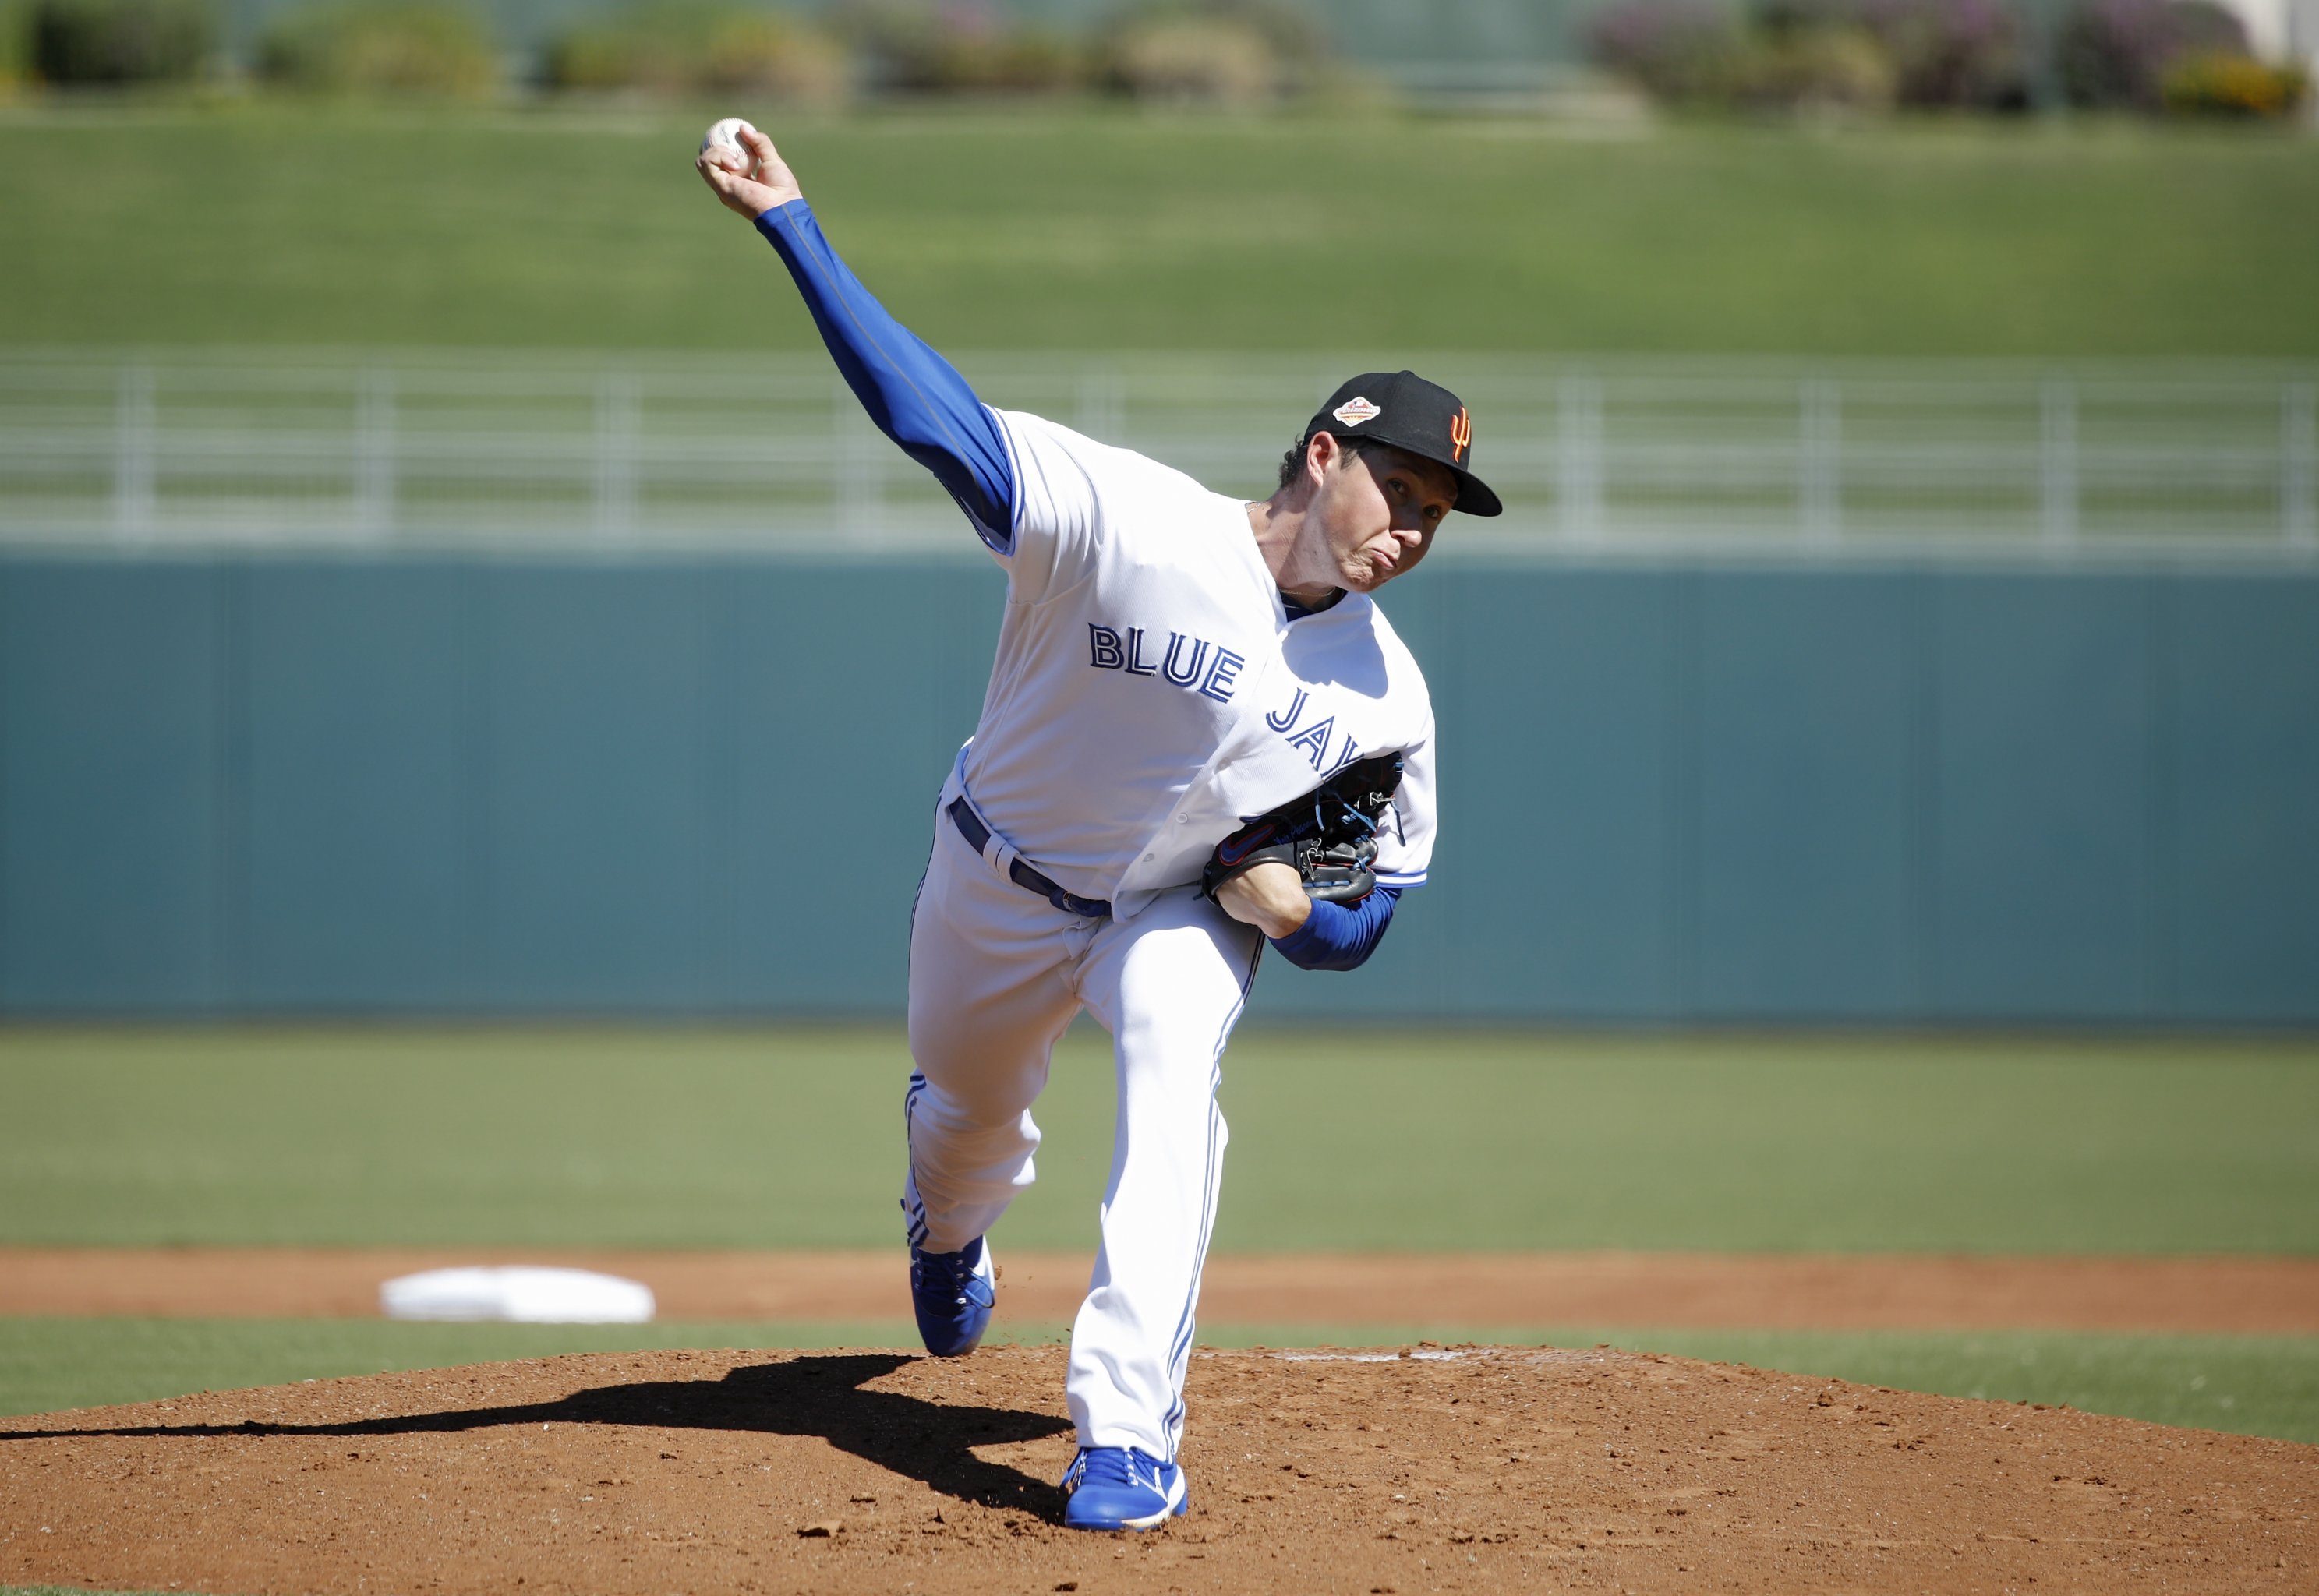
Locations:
(1486, 1469)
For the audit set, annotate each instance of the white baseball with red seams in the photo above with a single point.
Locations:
(1150, 693)
(727, 135)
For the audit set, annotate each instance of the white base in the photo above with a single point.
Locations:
(518, 1293)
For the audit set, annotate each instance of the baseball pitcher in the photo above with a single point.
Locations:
(1200, 735)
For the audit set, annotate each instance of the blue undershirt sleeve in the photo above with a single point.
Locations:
(915, 396)
(1341, 936)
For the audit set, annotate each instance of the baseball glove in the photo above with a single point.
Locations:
(1327, 836)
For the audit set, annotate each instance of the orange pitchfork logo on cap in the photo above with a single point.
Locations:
(1461, 435)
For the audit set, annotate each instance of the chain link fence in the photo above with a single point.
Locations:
(183, 449)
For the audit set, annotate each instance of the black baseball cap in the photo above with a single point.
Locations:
(1402, 409)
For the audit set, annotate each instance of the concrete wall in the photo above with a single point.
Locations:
(1867, 796)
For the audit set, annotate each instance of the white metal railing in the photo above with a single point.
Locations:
(188, 449)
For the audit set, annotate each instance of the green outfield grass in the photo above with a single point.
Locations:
(1099, 229)
(1361, 1140)
(2251, 1385)
(1421, 1140)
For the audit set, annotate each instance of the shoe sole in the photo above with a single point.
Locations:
(956, 1351)
(1176, 1509)
(987, 1313)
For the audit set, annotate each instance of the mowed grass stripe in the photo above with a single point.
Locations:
(2250, 1384)
(1361, 1141)
(2217, 1294)
(1090, 229)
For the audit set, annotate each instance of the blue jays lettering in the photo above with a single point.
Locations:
(1208, 668)
(1313, 740)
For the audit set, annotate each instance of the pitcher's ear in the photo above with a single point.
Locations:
(1321, 450)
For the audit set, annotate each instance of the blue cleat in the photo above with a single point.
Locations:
(1123, 1488)
(953, 1292)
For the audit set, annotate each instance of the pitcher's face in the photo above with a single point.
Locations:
(1378, 509)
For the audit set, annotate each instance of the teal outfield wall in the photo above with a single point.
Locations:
(1382, 35)
(1854, 796)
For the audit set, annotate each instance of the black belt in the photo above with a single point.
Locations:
(977, 838)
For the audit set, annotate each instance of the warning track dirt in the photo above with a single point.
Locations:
(1471, 1469)
(1038, 1291)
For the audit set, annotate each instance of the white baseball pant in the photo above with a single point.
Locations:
(996, 973)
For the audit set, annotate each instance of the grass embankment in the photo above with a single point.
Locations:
(1417, 1140)
(1361, 1140)
(1084, 229)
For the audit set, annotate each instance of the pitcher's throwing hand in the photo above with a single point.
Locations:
(746, 196)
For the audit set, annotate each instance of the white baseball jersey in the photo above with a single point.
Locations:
(1150, 693)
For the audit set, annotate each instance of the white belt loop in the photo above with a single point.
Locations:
(1000, 854)
(997, 853)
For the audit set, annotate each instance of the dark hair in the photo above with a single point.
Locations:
(1292, 463)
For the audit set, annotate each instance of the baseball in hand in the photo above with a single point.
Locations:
(726, 135)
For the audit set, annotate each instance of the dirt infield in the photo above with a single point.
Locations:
(882, 1471)
(2219, 1295)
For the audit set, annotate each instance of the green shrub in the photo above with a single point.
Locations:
(1784, 55)
(2218, 83)
(776, 57)
(1295, 37)
(1952, 53)
(381, 47)
(999, 60)
(2116, 54)
(119, 41)
(618, 55)
(915, 47)
(1217, 60)
(679, 48)
(1223, 51)
(1815, 68)
(15, 47)
(1683, 51)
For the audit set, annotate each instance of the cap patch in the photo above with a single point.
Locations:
(1356, 410)
(1461, 435)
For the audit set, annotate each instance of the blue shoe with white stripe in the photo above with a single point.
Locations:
(1123, 1488)
(953, 1294)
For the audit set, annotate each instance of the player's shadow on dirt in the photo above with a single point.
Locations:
(808, 1395)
